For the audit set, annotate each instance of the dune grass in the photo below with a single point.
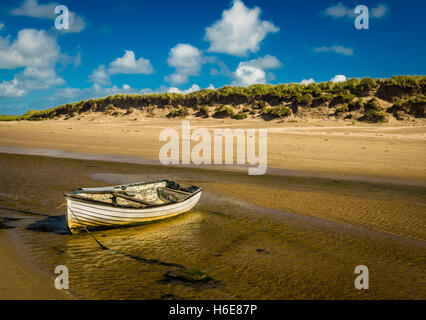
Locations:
(255, 95)
(5, 117)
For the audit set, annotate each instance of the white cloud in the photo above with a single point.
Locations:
(193, 88)
(32, 48)
(338, 78)
(31, 8)
(252, 71)
(246, 75)
(176, 78)
(76, 24)
(44, 76)
(239, 31)
(307, 81)
(174, 90)
(65, 93)
(187, 61)
(30, 79)
(185, 56)
(128, 64)
(266, 62)
(35, 51)
(336, 49)
(99, 91)
(340, 11)
(100, 76)
(1, 26)
(380, 11)
(11, 89)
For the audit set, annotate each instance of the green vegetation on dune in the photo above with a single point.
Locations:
(5, 117)
(178, 113)
(240, 116)
(353, 95)
(276, 112)
(373, 104)
(356, 105)
(223, 112)
(373, 115)
(415, 106)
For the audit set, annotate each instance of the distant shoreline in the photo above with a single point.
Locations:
(386, 153)
(237, 168)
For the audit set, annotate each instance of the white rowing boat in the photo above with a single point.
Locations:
(125, 205)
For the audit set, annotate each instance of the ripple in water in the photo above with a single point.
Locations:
(136, 262)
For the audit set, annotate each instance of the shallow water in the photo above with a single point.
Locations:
(249, 251)
(245, 258)
(135, 263)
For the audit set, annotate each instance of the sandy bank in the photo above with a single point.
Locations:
(20, 280)
(393, 152)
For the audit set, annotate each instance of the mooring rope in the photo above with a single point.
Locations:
(61, 205)
(100, 244)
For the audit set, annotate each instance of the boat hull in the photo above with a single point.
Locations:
(83, 214)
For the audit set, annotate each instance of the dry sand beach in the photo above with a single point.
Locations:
(337, 194)
(393, 152)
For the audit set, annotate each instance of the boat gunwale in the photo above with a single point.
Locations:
(76, 197)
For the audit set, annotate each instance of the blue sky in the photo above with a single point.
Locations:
(159, 46)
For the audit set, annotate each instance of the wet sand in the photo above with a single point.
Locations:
(21, 280)
(257, 237)
(392, 152)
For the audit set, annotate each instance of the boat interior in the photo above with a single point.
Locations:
(137, 195)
